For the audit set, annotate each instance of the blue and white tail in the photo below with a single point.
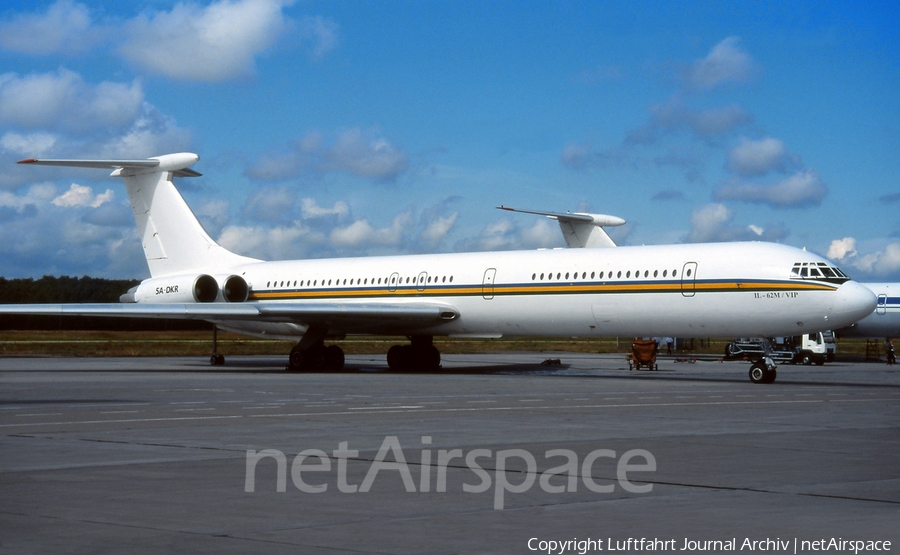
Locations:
(174, 241)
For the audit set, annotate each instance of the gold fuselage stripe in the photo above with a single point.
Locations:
(382, 292)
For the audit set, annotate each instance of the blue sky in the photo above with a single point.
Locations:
(357, 128)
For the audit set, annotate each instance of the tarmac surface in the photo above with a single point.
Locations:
(496, 453)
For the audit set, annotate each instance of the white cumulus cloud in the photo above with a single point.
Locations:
(354, 151)
(81, 195)
(800, 190)
(752, 158)
(727, 62)
(714, 223)
(63, 100)
(840, 248)
(213, 43)
(65, 28)
(28, 144)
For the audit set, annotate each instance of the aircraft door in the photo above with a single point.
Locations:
(689, 279)
(881, 307)
(420, 285)
(487, 286)
(392, 282)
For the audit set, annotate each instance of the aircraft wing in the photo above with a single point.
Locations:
(348, 317)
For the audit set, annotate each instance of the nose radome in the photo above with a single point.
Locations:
(854, 302)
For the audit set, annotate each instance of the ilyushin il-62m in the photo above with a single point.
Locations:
(685, 290)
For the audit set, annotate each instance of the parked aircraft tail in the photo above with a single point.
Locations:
(174, 241)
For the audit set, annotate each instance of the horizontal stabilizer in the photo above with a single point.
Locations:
(175, 163)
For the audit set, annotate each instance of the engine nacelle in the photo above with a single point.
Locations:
(192, 289)
(178, 289)
(234, 289)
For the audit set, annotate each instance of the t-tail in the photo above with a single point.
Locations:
(174, 241)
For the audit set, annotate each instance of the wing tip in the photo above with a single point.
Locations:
(27, 161)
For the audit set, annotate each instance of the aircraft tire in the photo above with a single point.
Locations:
(431, 358)
(770, 375)
(295, 360)
(334, 358)
(395, 358)
(217, 360)
(758, 372)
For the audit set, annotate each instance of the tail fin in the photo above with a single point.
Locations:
(174, 241)
(580, 229)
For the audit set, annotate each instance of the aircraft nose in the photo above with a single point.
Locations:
(853, 303)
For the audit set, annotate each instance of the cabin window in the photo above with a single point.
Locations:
(628, 274)
(567, 275)
(592, 275)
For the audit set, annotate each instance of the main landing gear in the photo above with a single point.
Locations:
(419, 356)
(311, 354)
(763, 371)
(316, 358)
(215, 359)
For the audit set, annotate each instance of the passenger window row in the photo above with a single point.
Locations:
(393, 280)
(612, 274)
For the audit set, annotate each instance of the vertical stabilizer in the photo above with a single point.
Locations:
(579, 229)
(174, 241)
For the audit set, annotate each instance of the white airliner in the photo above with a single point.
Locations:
(698, 290)
(884, 321)
(582, 230)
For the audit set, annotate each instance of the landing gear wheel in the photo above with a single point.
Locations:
(217, 360)
(295, 360)
(761, 373)
(758, 372)
(431, 358)
(395, 358)
(334, 358)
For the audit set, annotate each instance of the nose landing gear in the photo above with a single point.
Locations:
(763, 371)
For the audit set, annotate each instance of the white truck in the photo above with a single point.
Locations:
(797, 349)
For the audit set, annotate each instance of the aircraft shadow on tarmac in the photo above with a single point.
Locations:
(538, 368)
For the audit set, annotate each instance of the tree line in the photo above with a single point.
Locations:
(67, 289)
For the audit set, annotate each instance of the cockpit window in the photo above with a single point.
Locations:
(818, 271)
